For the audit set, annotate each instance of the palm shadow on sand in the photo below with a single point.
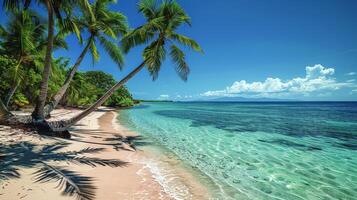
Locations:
(27, 155)
(115, 140)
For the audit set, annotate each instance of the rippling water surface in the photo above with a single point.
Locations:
(289, 150)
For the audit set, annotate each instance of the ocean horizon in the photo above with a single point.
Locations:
(258, 150)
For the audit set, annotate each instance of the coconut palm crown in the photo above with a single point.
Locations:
(159, 31)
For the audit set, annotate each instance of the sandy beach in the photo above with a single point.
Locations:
(134, 179)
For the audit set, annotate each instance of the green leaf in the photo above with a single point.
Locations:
(94, 51)
(154, 55)
(113, 50)
(178, 57)
(184, 40)
(149, 8)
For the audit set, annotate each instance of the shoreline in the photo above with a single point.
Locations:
(175, 179)
(141, 177)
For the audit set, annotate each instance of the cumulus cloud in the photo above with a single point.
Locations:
(351, 74)
(317, 78)
(163, 97)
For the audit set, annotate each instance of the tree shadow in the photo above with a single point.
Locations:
(118, 142)
(71, 183)
(132, 141)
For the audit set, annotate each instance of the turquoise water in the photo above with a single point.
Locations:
(259, 150)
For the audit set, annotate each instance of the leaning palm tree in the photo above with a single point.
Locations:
(54, 8)
(159, 32)
(105, 26)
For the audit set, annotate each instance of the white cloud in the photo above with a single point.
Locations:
(163, 97)
(184, 97)
(351, 80)
(317, 78)
(351, 74)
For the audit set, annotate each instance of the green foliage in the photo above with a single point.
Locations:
(20, 100)
(162, 20)
(87, 87)
(103, 82)
(84, 90)
(120, 98)
(6, 63)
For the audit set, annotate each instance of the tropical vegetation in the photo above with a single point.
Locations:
(83, 91)
(27, 47)
(33, 78)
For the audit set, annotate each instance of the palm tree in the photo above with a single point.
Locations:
(20, 40)
(24, 41)
(54, 7)
(105, 25)
(162, 21)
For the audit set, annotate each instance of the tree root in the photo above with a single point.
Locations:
(42, 128)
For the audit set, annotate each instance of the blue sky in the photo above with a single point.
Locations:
(252, 49)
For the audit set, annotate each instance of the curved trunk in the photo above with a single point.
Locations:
(66, 124)
(57, 98)
(38, 113)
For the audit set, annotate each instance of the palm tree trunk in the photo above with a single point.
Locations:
(11, 93)
(57, 98)
(99, 102)
(38, 113)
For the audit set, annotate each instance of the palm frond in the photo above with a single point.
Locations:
(85, 6)
(174, 13)
(70, 25)
(11, 5)
(149, 8)
(186, 41)
(118, 21)
(142, 34)
(113, 50)
(69, 182)
(106, 29)
(154, 55)
(181, 66)
(94, 51)
(60, 42)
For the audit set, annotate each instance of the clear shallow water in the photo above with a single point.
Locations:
(259, 150)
